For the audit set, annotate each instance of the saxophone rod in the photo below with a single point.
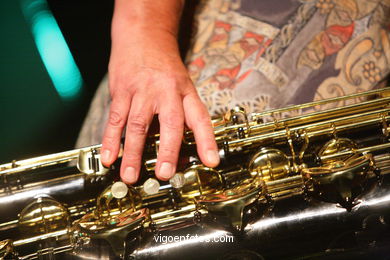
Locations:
(42, 161)
(306, 118)
(324, 101)
(46, 251)
(330, 129)
(63, 157)
(319, 115)
(326, 114)
(361, 150)
(41, 237)
(323, 114)
(160, 218)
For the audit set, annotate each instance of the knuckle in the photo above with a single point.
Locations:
(171, 79)
(175, 82)
(168, 151)
(138, 125)
(110, 141)
(203, 120)
(173, 120)
(115, 119)
(131, 158)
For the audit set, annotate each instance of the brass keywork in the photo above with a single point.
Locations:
(298, 161)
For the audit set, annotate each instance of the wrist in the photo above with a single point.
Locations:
(148, 15)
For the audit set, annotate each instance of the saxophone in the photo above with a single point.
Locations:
(306, 181)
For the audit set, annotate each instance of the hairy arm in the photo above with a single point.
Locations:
(147, 77)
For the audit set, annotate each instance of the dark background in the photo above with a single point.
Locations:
(34, 120)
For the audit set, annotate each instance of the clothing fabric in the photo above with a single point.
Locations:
(269, 54)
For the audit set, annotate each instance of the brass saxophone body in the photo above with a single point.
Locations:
(307, 181)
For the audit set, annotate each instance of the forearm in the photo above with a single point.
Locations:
(148, 24)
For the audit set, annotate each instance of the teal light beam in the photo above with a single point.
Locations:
(53, 49)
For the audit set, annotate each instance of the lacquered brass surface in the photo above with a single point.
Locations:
(279, 168)
(232, 202)
(6, 249)
(107, 205)
(200, 180)
(337, 146)
(269, 165)
(43, 215)
(341, 181)
(113, 229)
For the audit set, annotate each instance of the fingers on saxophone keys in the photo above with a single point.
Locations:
(140, 117)
(119, 111)
(171, 119)
(198, 119)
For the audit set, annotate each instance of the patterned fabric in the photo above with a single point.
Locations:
(269, 54)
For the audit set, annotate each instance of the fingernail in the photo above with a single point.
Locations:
(212, 157)
(166, 170)
(129, 176)
(106, 154)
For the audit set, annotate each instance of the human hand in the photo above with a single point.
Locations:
(147, 77)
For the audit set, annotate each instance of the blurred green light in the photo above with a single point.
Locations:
(53, 49)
